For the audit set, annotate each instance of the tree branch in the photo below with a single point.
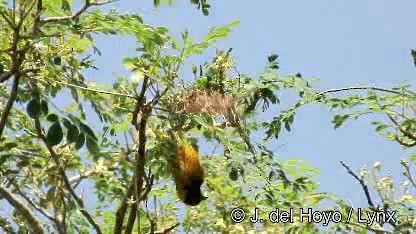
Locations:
(33, 222)
(67, 184)
(8, 21)
(168, 230)
(409, 175)
(26, 12)
(139, 173)
(87, 89)
(134, 208)
(131, 219)
(61, 19)
(32, 203)
(84, 175)
(9, 104)
(404, 142)
(366, 192)
(121, 211)
(153, 223)
(363, 185)
(5, 76)
(359, 88)
(140, 159)
(137, 184)
(405, 132)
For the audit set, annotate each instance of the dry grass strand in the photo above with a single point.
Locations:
(198, 101)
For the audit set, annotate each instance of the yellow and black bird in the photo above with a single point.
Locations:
(188, 175)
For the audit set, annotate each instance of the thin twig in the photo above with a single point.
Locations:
(61, 19)
(121, 211)
(131, 219)
(140, 100)
(402, 130)
(16, 55)
(9, 104)
(359, 88)
(169, 229)
(404, 142)
(409, 176)
(88, 89)
(77, 178)
(36, 23)
(33, 222)
(140, 159)
(152, 221)
(369, 228)
(9, 21)
(42, 36)
(367, 193)
(66, 181)
(133, 208)
(32, 203)
(25, 13)
(363, 185)
(5, 76)
(145, 111)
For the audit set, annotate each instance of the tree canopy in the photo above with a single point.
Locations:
(78, 156)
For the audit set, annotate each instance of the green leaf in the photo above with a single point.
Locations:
(216, 34)
(33, 109)
(4, 158)
(213, 36)
(233, 174)
(66, 123)
(50, 194)
(87, 130)
(66, 6)
(273, 57)
(55, 134)
(37, 165)
(10, 145)
(72, 134)
(52, 118)
(80, 141)
(287, 126)
(83, 44)
(112, 32)
(339, 120)
(92, 146)
(23, 163)
(44, 107)
(381, 127)
(413, 158)
(57, 60)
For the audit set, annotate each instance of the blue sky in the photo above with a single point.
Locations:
(343, 43)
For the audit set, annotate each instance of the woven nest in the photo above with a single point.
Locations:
(199, 101)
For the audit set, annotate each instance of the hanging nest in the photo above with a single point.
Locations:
(201, 101)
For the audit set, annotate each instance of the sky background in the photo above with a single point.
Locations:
(343, 43)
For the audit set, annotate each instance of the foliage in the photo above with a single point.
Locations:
(64, 169)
